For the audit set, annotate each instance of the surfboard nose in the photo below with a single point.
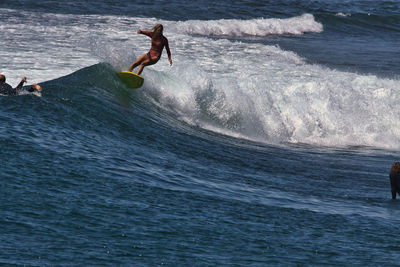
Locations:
(130, 79)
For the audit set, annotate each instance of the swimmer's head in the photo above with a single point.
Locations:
(2, 78)
(158, 29)
(35, 87)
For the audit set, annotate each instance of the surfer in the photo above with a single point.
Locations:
(34, 87)
(395, 179)
(7, 89)
(158, 42)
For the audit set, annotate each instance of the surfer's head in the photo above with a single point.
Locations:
(2, 78)
(34, 87)
(158, 29)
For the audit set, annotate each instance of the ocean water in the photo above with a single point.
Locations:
(267, 143)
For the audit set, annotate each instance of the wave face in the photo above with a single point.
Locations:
(324, 108)
(290, 101)
(96, 162)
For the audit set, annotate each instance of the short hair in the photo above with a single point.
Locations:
(2, 78)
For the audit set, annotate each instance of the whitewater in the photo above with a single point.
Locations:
(245, 89)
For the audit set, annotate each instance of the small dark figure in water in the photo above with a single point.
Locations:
(6, 89)
(395, 179)
(34, 87)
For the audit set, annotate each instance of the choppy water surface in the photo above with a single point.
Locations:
(268, 142)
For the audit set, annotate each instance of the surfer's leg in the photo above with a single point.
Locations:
(145, 63)
(141, 68)
(137, 62)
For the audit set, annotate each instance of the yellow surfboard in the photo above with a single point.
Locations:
(132, 80)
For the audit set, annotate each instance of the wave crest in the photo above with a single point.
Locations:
(255, 27)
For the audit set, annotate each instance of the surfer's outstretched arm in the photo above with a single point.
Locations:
(148, 33)
(21, 83)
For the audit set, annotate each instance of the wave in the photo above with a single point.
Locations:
(253, 91)
(286, 102)
(302, 104)
(255, 27)
(362, 23)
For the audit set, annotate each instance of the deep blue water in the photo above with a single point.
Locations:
(267, 143)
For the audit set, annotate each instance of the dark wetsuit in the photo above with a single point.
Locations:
(6, 89)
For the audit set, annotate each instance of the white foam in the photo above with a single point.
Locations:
(267, 94)
(53, 45)
(45, 48)
(340, 14)
(255, 27)
(247, 90)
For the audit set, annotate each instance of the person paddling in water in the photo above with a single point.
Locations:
(6, 89)
(158, 42)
